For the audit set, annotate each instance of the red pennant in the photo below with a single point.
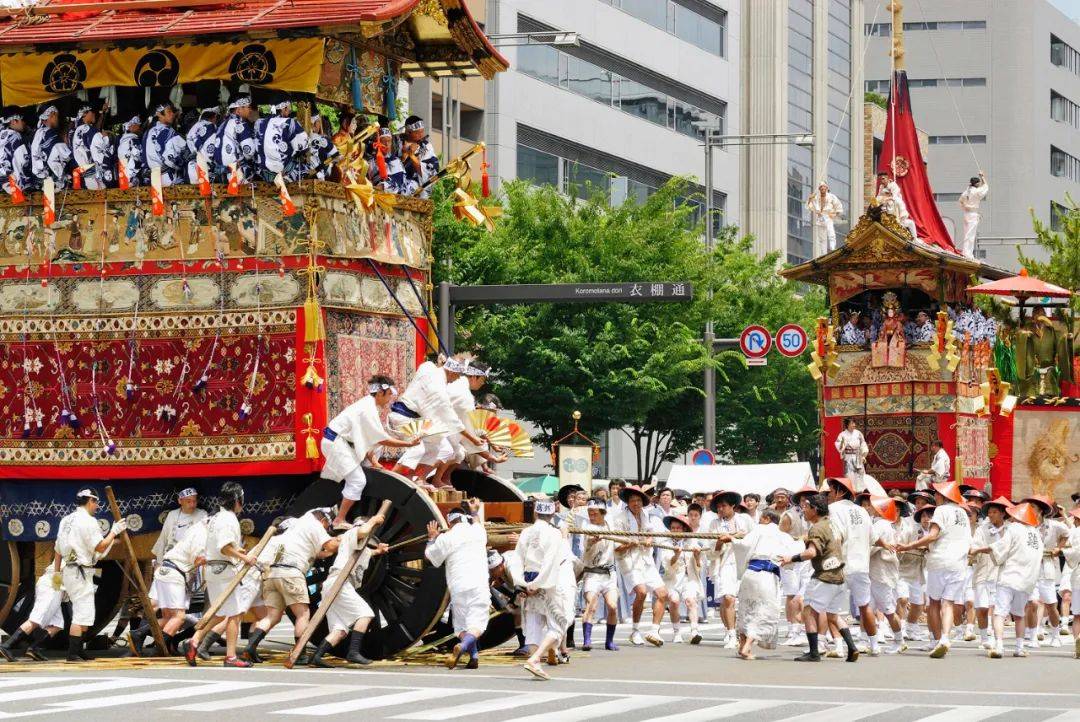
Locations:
(485, 182)
(287, 206)
(17, 195)
(380, 162)
(122, 181)
(76, 178)
(233, 188)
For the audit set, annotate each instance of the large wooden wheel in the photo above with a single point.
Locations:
(11, 568)
(485, 486)
(406, 592)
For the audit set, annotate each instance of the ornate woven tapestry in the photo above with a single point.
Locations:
(897, 446)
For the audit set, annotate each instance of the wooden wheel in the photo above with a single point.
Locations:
(484, 486)
(11, 568)
(407, 593)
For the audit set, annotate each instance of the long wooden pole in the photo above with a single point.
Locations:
(136, 574)
(240, 574)
(330, 596)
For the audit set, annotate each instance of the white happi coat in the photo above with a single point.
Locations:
(636, 558)
(853, 450)
(358, 429)
(970, 200)
(427, 395)
(548, 571)
(463, 551)
(1018, 554)
(758, 614)
(176, 526)
(463, 401)
(348, 607)
(825, 215)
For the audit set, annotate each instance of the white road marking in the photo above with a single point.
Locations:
(1070, 716)
(80, 688)
(297, 693)
(491, 705)
(25, 680)
(366, 703)
(966, 714)
(600, 709)
(854, 711)
(723, 711)
(116, 700)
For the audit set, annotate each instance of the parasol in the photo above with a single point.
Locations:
(1022, 287)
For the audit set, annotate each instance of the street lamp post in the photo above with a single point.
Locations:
(715, 139)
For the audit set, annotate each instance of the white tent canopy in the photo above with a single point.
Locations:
(746, 478)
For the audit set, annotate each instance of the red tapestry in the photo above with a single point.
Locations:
(191, 389)
(897, 446)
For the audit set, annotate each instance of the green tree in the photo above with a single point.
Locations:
(1062, 266)
(633, 367)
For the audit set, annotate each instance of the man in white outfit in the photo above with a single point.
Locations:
(949, 541)
(178, 522)
(938, 473)
(79, 546)
(463, 549)
(851, 444)
(549, 583)
(426, 397)
(349, 440)
(45, 621)
(638, 567)
(892, 200)
(969, 204)
(851, 524)
(724, 568)
(826, 209)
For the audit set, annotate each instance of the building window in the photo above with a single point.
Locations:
(882, 86)
(1064, 110)
(956, 139)
(1064, 55)
(604, 86)
(946, 197)
(703, 29)
(537, 166)
(1057, 216)
(1063, 165)
(885, 29)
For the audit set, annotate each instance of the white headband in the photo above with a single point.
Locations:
(241, 102)
(89, 493)
(457, 516)
(10, 118)
(385, 132)
(187, 493)
(84, 110)
(282, 105)
(596, 504)
(162, 107)
(44, 115)
(494, 559)
(418, 125)
(376, 388)
(471, 370)
(544, 508)
(134, 121)
(454, 366)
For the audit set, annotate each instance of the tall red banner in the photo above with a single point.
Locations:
(902, 158)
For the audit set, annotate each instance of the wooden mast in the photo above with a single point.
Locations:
(896, 7)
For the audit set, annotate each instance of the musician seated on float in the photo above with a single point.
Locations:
(417, 153)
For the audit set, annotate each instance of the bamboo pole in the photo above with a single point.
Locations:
(329, 597)
(212, 610)
(136, 574)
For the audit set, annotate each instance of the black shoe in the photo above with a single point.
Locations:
(36, 654)
(7, 653)
(316, 659)
(808, 657)
(474, 663)
(852, 655)
(203, 650)
(358, 659)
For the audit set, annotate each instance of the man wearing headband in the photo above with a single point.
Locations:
(129, 151)
(599, 577)
(455, 447)
(236, 144)
(417, 153)
(92, 148)
(549, 583)
(283, 145)
(225, 558)
(178, 561)
(50, 156)
(324, 153)
(14, 155)
(462, 549)
(80, 545)
(385, 168)
(426, 397)
(350, 439)
(349, 613)
(201, 140)
(163, 148)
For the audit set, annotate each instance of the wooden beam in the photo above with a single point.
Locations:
(136, 574)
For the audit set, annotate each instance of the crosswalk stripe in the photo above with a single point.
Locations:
(78, 688)
(485, 706)
(366, 703)
(1070, 716)
(121, 699)
(966, 714)
(25, 680)
(297, 693)
(722, 711)
(854, 711)
(600, 709)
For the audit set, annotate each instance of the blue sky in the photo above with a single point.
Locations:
(1069, 7)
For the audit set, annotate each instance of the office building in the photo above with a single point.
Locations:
(994, 85)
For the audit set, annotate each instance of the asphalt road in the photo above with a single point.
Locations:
(676, 682)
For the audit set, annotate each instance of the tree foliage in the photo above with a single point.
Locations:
(633, 367)
(1062, 267)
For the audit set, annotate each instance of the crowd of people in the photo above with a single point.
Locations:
(233, 143)
(863, 326)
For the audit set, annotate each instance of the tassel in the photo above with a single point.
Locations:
(76, 178)
(48, 202)
(235, 179)
(122, 181)
(110, 448)
(44, 283)
(312, 450)
(288, 208)
(17, 195)
(26, 428)
(485, 182)
(380, 162)
(40, 428)
(245, 411)
(200, 385)
(313, 325)
(129, 390)
(64, 416)
(202, 176)
(73, 421)
(157, 195)
(356, 86)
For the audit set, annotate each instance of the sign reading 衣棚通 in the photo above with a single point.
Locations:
(633, 292)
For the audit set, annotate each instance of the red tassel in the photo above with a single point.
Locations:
(380, 162)
(17, 195)
(122, 181)
(233, 189)
(485, 182)
(76, 178)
